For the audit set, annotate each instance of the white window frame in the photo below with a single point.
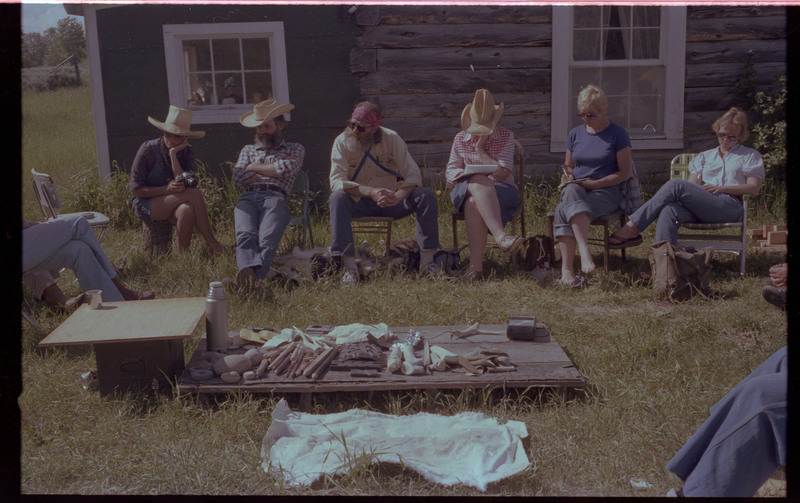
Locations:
(174, 34)
(673, 57)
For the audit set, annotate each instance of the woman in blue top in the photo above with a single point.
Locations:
(713, 193)
(597, 161)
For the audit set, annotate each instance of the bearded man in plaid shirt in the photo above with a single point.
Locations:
(490, 198)
(266, 170)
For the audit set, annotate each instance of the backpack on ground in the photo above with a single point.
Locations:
(540, 255)
(680, 273)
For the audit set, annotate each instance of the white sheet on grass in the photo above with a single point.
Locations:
(469, 448)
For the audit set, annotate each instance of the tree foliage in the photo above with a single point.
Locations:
(54, 45)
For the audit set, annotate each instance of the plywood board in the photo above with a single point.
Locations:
(539, 364)
(142, 320)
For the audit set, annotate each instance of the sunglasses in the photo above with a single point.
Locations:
(586, 114)
(726, 137)
(356, 126)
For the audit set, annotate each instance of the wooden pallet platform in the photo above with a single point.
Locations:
(539, 364)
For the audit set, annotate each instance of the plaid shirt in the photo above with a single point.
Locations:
(279, 158)
(499, 146)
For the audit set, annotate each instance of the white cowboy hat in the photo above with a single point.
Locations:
(481, 116)
(178, 122)
(263, 112)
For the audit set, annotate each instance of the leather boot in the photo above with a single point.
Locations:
(129, 294)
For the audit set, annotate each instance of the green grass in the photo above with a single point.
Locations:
(654, 367)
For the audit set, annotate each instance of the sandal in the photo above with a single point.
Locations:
(623, 243)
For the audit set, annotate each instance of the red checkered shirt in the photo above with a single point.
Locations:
(499, 146)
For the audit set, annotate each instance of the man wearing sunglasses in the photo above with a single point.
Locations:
(373, 175)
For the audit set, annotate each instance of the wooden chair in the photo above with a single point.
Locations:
(303, 220)
(47, 195)
(520, 213)
(374, 225)
(698, 235)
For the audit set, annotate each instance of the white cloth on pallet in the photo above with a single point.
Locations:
(469, 448)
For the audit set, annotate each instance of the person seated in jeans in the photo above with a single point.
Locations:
(44, 287)
(266, 170)
(69, 241)
(373, 175)
(743, 441)
(718, 178)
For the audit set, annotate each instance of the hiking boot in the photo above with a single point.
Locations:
(510, 244)
(774, 295)
(245, 278)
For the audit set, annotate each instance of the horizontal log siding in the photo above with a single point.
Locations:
(422, 64)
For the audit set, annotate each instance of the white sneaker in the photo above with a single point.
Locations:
(349, 278)
(510, 244)
(671, 494)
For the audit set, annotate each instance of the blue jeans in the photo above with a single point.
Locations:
(343, 209)
(260, 217)
(575, 200)
(743, 442)
(69, 241)
(682, 202)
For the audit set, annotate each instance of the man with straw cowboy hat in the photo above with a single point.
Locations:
(373, 174)
(490, 198)
(266, 170)
(159, 186)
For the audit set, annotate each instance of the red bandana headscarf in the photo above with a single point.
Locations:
(366, 116)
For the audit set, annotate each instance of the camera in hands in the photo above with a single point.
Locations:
(188, 179)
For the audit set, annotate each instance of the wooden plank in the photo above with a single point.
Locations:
(457, 81)
(736, 28)
(721, 11)
(473, 35)
(735, 51)
(435, 129)
(539, 364)
(142, 320)
(462, 58)
(717, 74)
(453, 14)
(452, 104)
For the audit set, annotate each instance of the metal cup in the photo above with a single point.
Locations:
(95, 299)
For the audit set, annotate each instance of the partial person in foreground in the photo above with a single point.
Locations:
(69, 241)
(44, 287)
(718, 178)
(373, 175)
(597, 164)
(266, 170)
(160, 186)
(487, 200)
(743, 442)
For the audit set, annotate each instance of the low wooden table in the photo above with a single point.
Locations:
(539, 364)
(135, 343)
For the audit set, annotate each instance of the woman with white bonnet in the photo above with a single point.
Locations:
(488, 199)
(156, 186)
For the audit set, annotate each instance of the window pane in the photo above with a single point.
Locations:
(645, 118)
(646, 43)
(196, 55)
(587, 17)
(618, 110)
(229, 88)
(616, 17)
(586, 45)
(255, 53)
(614, 81)
(226, 54)
(258, 85)
(201, 90)
(647, 16)
(615, 44)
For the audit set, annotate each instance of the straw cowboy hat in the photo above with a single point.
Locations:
(263, 112)
(481, 116)
(178, 122)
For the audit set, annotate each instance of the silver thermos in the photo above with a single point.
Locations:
(216, 317)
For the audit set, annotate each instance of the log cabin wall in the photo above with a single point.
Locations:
(422, 64)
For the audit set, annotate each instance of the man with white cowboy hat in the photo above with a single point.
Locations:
(373, 174)
(490, 198)
(159, 185)
(266, 170)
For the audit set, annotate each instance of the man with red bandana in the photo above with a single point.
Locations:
(373, 175)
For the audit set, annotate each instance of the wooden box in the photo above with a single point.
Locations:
(144, 366)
